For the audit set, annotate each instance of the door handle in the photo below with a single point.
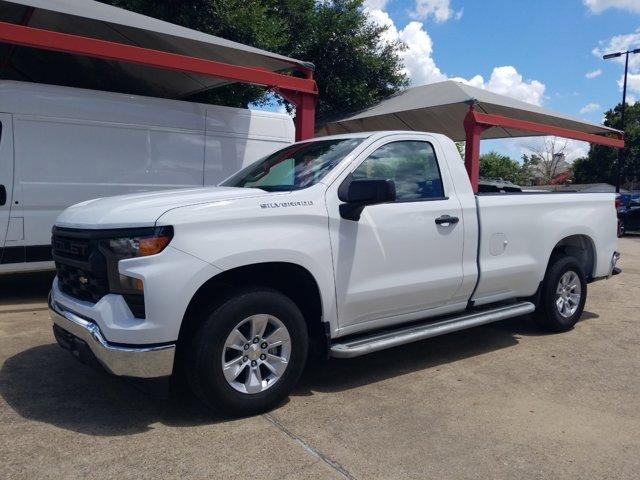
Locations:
(446, 220)
(3, 195)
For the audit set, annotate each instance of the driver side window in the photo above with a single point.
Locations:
(412, 165)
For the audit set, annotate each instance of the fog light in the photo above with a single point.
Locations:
(131, 285)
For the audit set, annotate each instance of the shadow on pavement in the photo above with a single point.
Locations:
(338, 375)
(21, 288)
(45, 384)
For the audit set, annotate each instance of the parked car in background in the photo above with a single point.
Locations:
(497, 185)
(344, 245)
(60, 146)
(629, 217)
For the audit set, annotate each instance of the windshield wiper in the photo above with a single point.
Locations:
(277, 188)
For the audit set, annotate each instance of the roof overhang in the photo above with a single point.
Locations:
(442, 107)
(101, 22)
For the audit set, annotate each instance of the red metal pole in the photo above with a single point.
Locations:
(305, 117)
(473, 130)
(305, 112)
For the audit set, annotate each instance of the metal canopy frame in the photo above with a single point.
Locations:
(302, 92)
(477, 122)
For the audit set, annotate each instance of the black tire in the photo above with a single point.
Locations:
(547, 314)
(203, 366)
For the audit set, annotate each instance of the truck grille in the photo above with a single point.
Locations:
(80, 265)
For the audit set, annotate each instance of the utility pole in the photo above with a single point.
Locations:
(621, 151)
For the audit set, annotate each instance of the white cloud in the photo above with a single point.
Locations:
(419, 65)
(375, 4)
(418, 62)
(599, 6)
(633, 82)
(440, 10)
(421, 68)
(590, 107)
(506, 80)
(382, 18)
(621, 43)
(593, 74)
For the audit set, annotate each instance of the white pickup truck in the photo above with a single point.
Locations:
(344, 245)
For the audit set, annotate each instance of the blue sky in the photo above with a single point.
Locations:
(546, 52)
(543, 51)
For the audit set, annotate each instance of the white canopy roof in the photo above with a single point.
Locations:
(98, 20)
(441, 108)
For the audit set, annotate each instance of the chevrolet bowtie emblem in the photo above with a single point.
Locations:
(83, 280)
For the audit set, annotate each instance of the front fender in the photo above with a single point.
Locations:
(244, 233)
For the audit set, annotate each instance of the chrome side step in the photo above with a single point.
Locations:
(373, 342)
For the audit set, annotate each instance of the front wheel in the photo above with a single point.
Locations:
(564, 292)
(249, 352)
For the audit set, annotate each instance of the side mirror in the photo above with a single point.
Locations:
(357, 194)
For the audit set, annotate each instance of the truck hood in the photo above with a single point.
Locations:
(143, 209)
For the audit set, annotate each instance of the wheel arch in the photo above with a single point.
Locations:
(581, 247)
(293, 280)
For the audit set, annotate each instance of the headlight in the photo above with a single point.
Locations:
(140, 245)
(132, 244)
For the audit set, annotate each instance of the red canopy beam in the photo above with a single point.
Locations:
(62, 42)
(476, 122)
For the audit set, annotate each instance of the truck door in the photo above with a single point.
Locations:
(6, 176)
(400, 259)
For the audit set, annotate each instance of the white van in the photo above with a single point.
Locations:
(60, 146)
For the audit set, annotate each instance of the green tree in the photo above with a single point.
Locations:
(354, 67)
(527, 167)
(600, 164)
(496, 165)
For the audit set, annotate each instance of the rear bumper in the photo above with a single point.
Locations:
(613, 269)
(80, 335)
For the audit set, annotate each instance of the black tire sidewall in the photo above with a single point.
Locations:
(208, 343)
(548, 311)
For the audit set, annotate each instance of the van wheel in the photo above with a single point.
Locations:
(564, 293)
(248, 353)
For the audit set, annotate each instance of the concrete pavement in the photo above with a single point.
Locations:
(501, 401)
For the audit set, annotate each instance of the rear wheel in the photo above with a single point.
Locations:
(564, 292)
(249, 352)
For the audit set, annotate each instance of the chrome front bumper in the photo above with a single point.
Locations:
(121, 360)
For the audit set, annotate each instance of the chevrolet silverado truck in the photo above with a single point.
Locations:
(342, 246)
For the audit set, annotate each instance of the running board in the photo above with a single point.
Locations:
(373, 342)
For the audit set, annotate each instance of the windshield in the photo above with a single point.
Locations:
(294, 167)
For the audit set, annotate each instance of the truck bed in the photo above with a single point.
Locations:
(518, 229)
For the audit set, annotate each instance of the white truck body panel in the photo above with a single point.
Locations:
(393, 265)
(418, 267)
(72, 145)
(531, 225)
